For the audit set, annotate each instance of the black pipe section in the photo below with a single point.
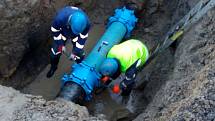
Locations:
(72, 92)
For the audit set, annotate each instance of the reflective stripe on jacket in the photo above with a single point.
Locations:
(61, 30)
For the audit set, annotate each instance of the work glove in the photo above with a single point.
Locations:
(115, 88)
(78, 56)
(105, 81)
(126, 87)
(74, 57)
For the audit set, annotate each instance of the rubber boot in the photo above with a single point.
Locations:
(54, 63)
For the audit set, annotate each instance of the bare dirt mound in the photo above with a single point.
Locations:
(15, 106)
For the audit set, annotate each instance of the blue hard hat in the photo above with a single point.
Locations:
(78, 22)
(109, 67)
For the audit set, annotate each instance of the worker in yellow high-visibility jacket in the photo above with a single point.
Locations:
(126, 58)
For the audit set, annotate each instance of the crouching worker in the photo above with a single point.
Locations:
(70, 23)
(126, 58)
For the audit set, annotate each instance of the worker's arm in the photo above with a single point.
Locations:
(127, 84)
(78, 44)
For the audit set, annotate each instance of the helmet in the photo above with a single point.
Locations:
(78, 22)
(109, 67)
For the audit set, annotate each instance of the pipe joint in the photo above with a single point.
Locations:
(126, 17)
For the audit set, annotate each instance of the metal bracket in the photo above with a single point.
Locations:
(102, 44)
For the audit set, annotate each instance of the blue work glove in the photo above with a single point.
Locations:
(126, 87)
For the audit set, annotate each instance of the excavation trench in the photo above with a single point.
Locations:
(177, 85)
(153, 23)
(49, 88)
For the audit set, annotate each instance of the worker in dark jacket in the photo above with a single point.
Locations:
(70, 23)
(126, 58)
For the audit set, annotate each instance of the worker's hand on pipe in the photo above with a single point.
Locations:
(105, 83)
(106, 80)
(74, 57)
